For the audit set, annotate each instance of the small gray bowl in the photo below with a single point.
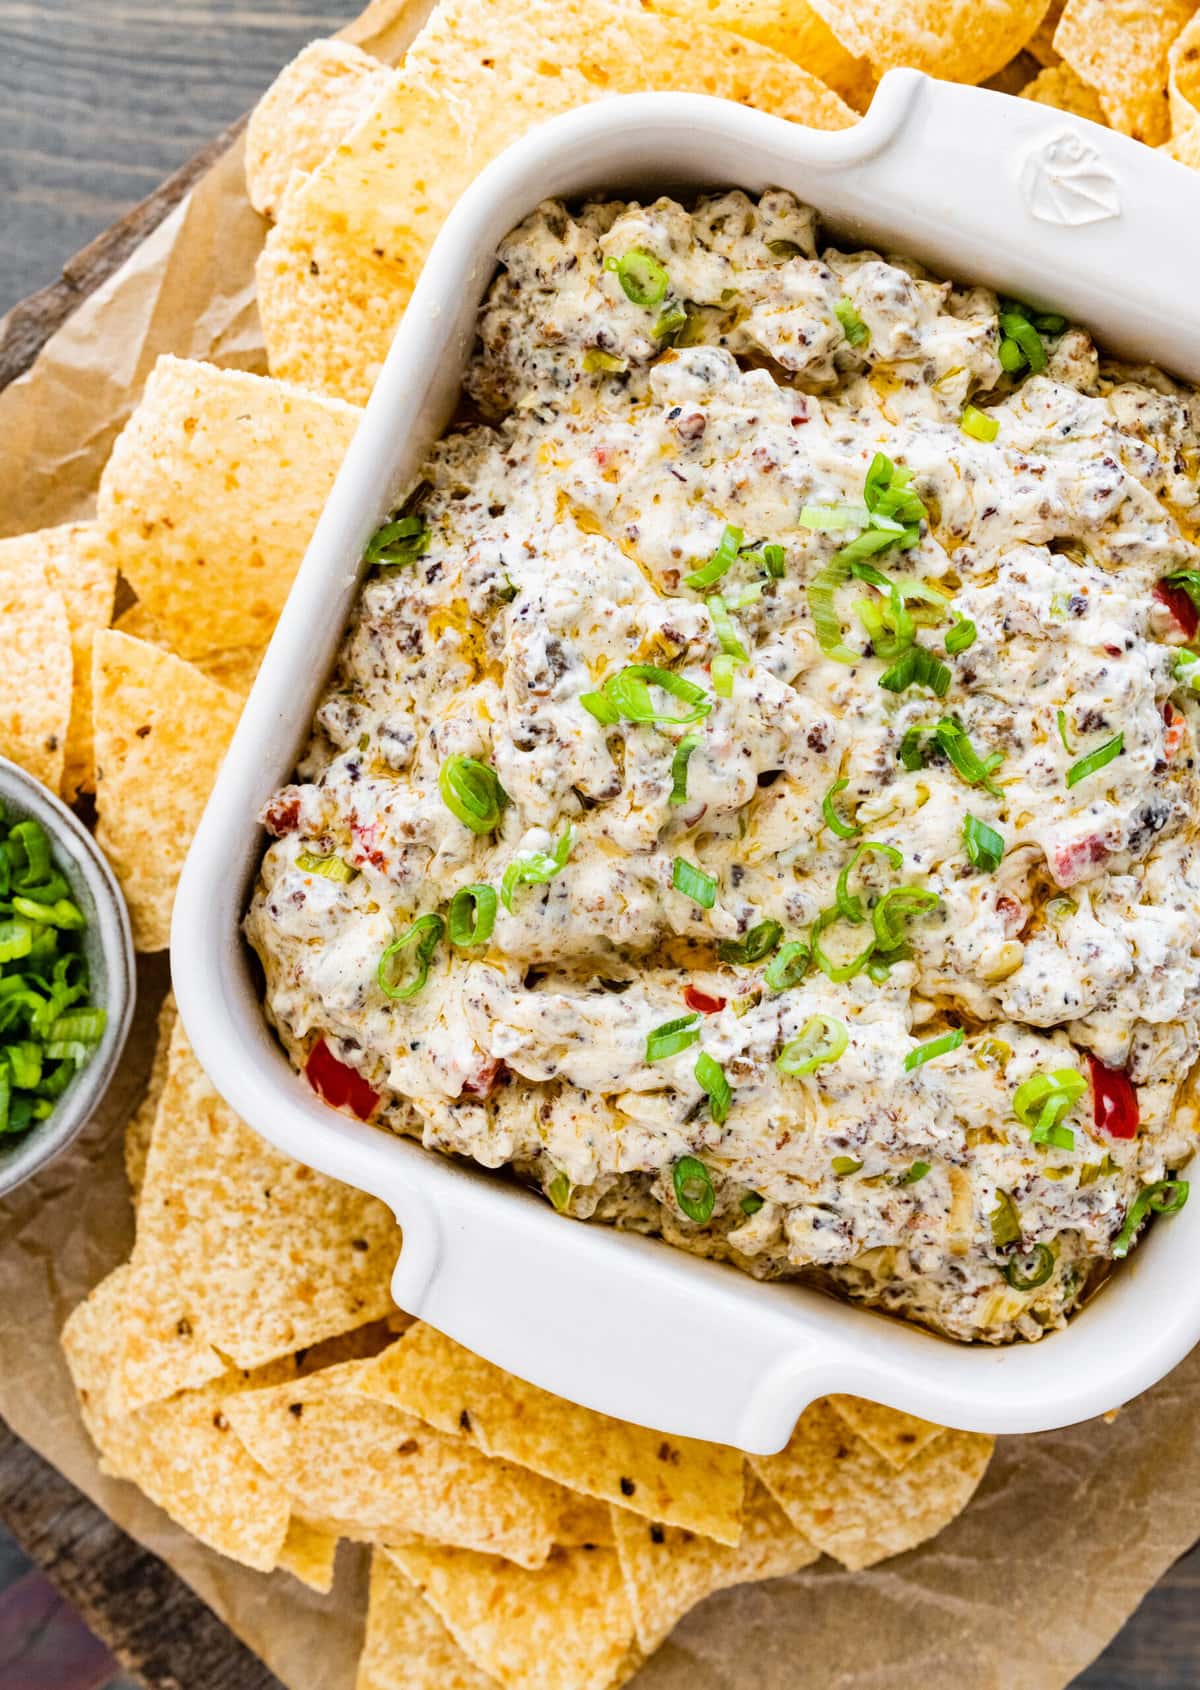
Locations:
(108, 946)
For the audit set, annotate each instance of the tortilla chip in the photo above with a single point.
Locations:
(140, 1127)
(161, 732)
(310, 106)
(678, 1480)
(309, 1554)
(211, 495)
(81, 567)
(958, 40)
(857, 1507)
(1184, 94)
(234, 668)
(790, 27)
(566, 1626)
(239, 1248)
(1041, 42)
(340, 265)
(667, 1571)
(407, 1647)
(35, 686)
(383, 1473)
(582, 1521)
(1059, 86)
(896, 1436)
(1120, 48)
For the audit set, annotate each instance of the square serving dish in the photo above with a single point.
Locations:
(981, 187)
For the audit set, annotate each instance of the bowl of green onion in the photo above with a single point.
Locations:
(67, 980)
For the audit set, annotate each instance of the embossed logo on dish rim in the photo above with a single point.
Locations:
(1065, 179)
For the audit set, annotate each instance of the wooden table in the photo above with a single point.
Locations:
(101, 101)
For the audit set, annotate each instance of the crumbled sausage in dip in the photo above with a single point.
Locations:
(920, 777)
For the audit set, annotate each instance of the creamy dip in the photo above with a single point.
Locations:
(787, 660)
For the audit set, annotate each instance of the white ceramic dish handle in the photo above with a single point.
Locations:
(624, 1324)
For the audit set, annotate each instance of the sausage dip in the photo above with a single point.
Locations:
(756, 796)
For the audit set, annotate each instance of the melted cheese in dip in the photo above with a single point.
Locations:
(561, 529)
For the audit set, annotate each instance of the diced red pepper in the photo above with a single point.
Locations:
(1071, 862)
(1174, 731)
(485, 1079)
(701, 1002)
(1179, 603)
(338, 1084)
(1114, 1100)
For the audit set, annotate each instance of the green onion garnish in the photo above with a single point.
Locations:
(789, 967)
(759, 942)
(961, 636)
(471, 791)
(536, 868)
(978, 424)
(917, 667)
(1026, 1273)
(701, 888)
(1041, 1101)
(693, 1188)
(1017, 328)
(984, 846)
(559, 1192)
(472, 915)
(425, 934)
(774, 561)
(853, 327)
(672, 1037)
(895, 909)
(723, 667)
(833, 821)
(822, 1039)
(915, 1173)
(890, 627)
(710, 1077)
(1096, 759)
(642, 277)
(722, 560)
(751, 1203)
(963, 757)
(837, 972)
(1186, 669)
(670, 320)
(596, 361)
(332, 868)
(912, 751)
(821, 593)
(845, 1165)
(627, 693)
(1006, 1222)
(1165, 1197)
(849, 904)
(935, 1047)
(679, 767)
(726, 633)
(1061, 719)
(401, 541)
(827, 519)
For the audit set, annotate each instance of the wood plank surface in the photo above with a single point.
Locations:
(102, 100)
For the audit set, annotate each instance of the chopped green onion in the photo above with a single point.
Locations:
(936, 1047)
(1164, 1197)
(723, 667)
(822, 1039)
(963, 757)
(1026, 1273)
(65, 913)
(774, 561)
(821, 593)
(472, 915)
(670, 320)
(1006, 1222)
(919, 667)
(602, 708)
(833, 821)
(912, 751)
(642, 278)
(701, 888)
(722, 560)
(978, 424)
(743, 597)
(628, 693)
(1041, 1102)
(1012, 358)
(788, 967)
(751, 1203)
(1029, 342)
(672, 1037)
(559, 1192)
(845, 1165)
(425, 934)
(897, 907)
(984, 846)
(332, 868)
(837, 972)
(826, 519)
(710, 1077)
(1189, 580)
(726, 633)
(849, 904)
(679, 767)
(471, 791)
(853, 327)
(536, 868)
(961, 636)
(1061, 718)
(398, 542)
(1186, 669)
(759, 942)
(915, 1173)
(1096, 759)
(596, 360)
(693, 1189)
(889, 626)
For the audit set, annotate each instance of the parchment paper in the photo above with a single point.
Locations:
(1069, 1529)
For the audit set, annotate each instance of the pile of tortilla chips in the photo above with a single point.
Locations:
(247, 1370)
(246, 1367)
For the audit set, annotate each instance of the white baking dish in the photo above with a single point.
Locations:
(979, 185)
